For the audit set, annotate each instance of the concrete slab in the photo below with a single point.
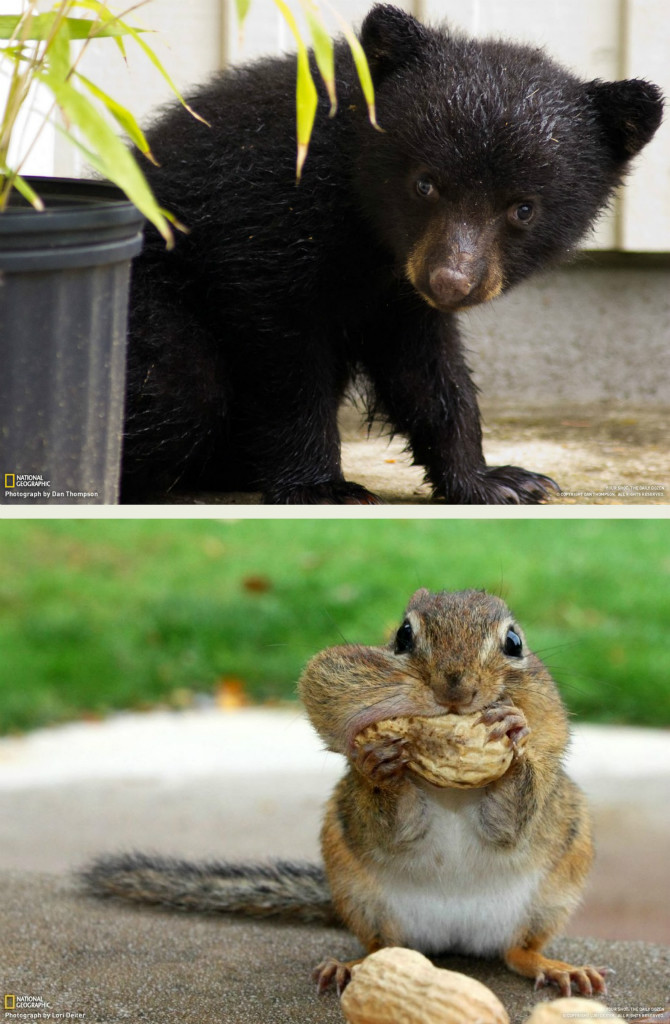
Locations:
(599, 454)
(110, 963)
(251, 784)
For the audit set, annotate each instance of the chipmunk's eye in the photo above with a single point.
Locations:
(404, 639)
(513, 646)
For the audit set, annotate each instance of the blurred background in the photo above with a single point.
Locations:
(149, 671)
(104, 615)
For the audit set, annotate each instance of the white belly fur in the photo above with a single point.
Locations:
(452, 891)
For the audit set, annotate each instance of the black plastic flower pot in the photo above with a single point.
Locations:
(64, 276)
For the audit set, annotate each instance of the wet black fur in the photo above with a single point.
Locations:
(244, 339)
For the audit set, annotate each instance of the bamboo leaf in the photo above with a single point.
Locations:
(364, 76)
(173, 220)
(57, 52)
(242, 9)
(306, 104)
(323, 52)
(122, 115)
(78, 28)
(98, 165)
(109, 154)
(15, 53)
(306, 95)
(121, 47)
(361, 62)
(14, 180)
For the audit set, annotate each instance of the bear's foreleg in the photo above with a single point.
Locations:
(284, 420)
(425, 388)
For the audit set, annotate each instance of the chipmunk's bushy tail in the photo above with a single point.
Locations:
(294, 891)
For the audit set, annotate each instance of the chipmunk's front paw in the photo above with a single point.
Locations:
(505, 719)
(589, 981)
(382, 761)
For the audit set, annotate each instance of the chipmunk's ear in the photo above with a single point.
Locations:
(391, 39)
(418, 596)
(629, 113)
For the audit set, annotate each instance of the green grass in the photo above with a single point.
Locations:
(100, 615)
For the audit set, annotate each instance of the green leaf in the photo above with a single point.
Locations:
(306, 95)
(173, 220)
(14, 52)
(123, 117)
(58, 51)
(78, 28)
(109, 154)
(323, 52)
(361, 62)
(242, 8)
(14, 180)
(306, 104)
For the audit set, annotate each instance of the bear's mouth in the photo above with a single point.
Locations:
(455, 284)
(474, 298)
(456, 266)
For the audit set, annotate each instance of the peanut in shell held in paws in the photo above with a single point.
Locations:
(395, 984)
(448, 750)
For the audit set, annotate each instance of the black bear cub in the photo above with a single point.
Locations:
(493, 163)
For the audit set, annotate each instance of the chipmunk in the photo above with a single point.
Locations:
(490, 871)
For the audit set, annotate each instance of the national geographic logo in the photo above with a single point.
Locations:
(14, 481)
(31, 1007)
(36, 487)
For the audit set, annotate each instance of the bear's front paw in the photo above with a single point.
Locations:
(332, 492)
(511, 485)
(503, 485)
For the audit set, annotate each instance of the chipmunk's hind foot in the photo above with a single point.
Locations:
(587, 980)
(330, 970)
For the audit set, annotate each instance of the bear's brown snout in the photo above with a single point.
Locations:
(450, 285)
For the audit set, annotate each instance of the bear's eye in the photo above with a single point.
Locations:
(521, 214)
(404, 639)
(513, 646)
(425, 188)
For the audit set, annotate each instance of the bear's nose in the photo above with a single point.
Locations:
(449, 286)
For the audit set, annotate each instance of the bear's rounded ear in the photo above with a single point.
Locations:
(629, 112)
(391, 38)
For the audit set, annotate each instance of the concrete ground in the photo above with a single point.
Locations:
(251, 784)
(598, 454)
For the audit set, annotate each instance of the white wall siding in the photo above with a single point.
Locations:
(645, 219)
